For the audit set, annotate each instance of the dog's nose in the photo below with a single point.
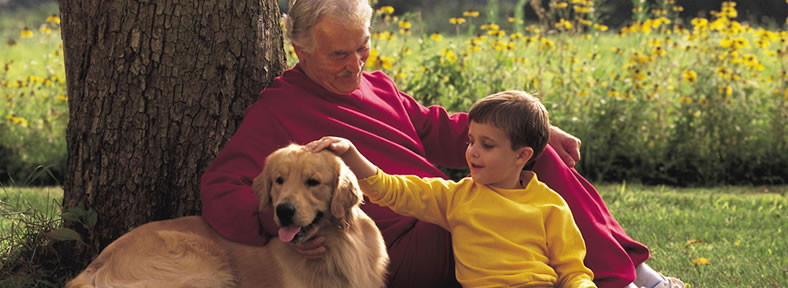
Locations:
(285, 212)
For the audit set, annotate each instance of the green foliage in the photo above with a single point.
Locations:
(657, 102)
(33, 110)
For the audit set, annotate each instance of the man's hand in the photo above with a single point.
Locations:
(566, 145)
(312, 248)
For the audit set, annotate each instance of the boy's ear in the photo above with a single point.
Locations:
(525, 154)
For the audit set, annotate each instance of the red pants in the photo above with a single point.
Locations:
(422, 257)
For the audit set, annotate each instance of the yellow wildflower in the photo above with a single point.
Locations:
(582, 10)
(700, 261)
(490, 26)
(44, 29)
(386, 10)
(385, 62)
(26, 33)
(658, 51)
(561, 5)
(436, 36)
(690, 76)
(700, 23)
(457, 20)
(404, 24)
(684, 99)
(564, 24)
(470, 13)
(53, 19)
(726, 91)
(600, 27)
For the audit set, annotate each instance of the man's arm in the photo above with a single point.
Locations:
(228, 203)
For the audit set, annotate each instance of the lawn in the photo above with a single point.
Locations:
(731, 236)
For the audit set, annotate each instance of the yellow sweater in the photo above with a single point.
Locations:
(501, 237)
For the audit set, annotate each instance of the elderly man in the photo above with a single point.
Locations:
(328, 93)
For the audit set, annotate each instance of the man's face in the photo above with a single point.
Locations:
(338, 55)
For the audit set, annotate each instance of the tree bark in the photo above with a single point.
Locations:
(155, 89)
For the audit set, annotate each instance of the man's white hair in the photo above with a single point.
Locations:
(302, 15)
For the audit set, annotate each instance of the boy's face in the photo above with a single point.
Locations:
(491, 158)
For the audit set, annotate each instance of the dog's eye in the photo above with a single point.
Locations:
(312, 182)
(280, 180)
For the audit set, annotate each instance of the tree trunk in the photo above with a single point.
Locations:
(155, 89)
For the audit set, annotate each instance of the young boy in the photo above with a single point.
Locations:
(508, 229)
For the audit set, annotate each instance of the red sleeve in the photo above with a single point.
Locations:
(442, 134)
(228, 203)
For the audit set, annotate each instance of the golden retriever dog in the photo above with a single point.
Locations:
(312, 194)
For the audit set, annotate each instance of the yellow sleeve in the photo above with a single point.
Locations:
(423, 198)
(566, 248)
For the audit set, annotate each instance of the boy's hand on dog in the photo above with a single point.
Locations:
(337, 145)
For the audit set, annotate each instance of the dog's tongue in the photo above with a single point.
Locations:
(286, 234)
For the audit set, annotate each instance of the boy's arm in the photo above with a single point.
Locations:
(406, 195)
(566, 249)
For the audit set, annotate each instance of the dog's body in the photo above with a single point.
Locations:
(314, 194)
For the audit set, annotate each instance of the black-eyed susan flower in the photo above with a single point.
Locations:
(457, 21)
(26, 33)
(436, 36)
(404, 24)
(53, 19)
(560, 5)
(490, 26)
(726, 91)
(563, 24)
(582, 10)
(45, 29)
(471, 13)
(385, 10)
(689, 76)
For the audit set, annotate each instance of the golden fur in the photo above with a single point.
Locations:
(187, 252)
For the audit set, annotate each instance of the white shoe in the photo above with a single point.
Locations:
(673, 282)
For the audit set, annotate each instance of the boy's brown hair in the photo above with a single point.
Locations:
(521, 116)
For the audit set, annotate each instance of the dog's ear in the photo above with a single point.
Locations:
(347, 193)
(262, 185)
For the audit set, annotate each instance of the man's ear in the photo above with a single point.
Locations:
(300, 53)
(524, 154)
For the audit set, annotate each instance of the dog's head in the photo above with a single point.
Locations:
(307, 190)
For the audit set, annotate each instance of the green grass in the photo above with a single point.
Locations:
(739, 230)
(28, 259)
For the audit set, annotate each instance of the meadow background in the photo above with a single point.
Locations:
(682, 118)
